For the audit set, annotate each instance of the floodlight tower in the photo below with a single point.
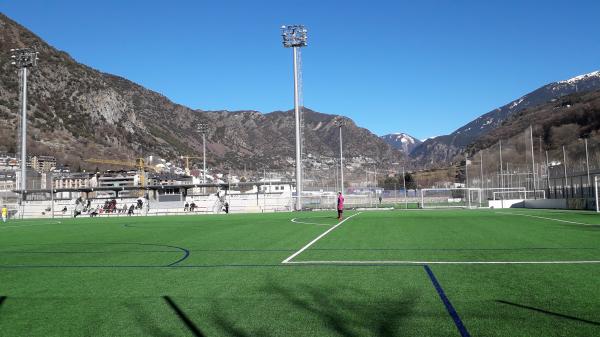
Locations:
(339, 122)
(202, 128)
(295, 37)
(24, 58)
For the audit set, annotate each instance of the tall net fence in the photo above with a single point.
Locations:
(534, 160)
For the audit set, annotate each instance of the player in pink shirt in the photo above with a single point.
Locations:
(340, 205)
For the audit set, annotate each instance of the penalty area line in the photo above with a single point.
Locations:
(289, 258)
(383, 262)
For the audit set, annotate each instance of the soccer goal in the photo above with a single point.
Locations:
(451, 198)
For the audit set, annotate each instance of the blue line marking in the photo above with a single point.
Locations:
(186, 254)
(451, 311)
(278, 265)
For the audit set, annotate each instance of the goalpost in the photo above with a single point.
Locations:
(596, 181)
(451, 198)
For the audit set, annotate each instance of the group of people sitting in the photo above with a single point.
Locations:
(189, 207)
(109, 207)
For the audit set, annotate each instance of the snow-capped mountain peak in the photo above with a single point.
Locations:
(401, 141)
(581, 77)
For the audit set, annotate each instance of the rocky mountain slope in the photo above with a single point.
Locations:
(561, 122)
(76, 112)
(441, 150)
(402, 141)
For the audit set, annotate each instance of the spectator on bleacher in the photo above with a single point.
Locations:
(94, 212)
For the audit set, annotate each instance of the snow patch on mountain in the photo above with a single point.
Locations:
(402, 141)
(580, 78)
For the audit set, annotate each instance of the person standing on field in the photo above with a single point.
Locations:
(4, 213)
(340, 206)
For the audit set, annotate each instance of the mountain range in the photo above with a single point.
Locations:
(77, 113)
(442, 150)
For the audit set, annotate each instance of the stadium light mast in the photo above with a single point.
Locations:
(339, 122)
(202, 128)
(294, 36)
(532, 161)
(24, 58)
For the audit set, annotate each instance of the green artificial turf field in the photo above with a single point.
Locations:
(387, 273)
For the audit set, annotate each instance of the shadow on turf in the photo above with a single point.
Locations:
(345, 312)
(573, 318)
(183, 317)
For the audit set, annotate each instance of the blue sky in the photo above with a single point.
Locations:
(421, 67)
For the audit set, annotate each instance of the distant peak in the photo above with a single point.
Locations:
(581, 77)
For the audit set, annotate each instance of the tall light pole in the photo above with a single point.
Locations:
(339, 122)
(405, 191)
(501, 168)
(466, 171)
(295, 37)
(202, 128)
(532, 161)
(23, 59)
(565, 170)
(587, 162)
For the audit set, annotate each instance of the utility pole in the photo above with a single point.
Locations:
(295, 36)
(202, 128)
(23, 59)
(339, 122)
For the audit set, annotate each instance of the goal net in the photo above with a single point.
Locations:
(451, 198)
(521, 194)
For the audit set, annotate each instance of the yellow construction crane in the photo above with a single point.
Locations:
(187, 163)
(139, 163)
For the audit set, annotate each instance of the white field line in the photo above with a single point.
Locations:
(295, 220)
(545, 218)
(40, 224)
(443, 262)
(287, 260)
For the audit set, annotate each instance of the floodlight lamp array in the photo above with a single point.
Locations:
(294, 36)
(24, 58)
(202, 127)
(339, 122)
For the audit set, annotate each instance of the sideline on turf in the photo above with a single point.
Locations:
(384, 262)
(545, 218)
